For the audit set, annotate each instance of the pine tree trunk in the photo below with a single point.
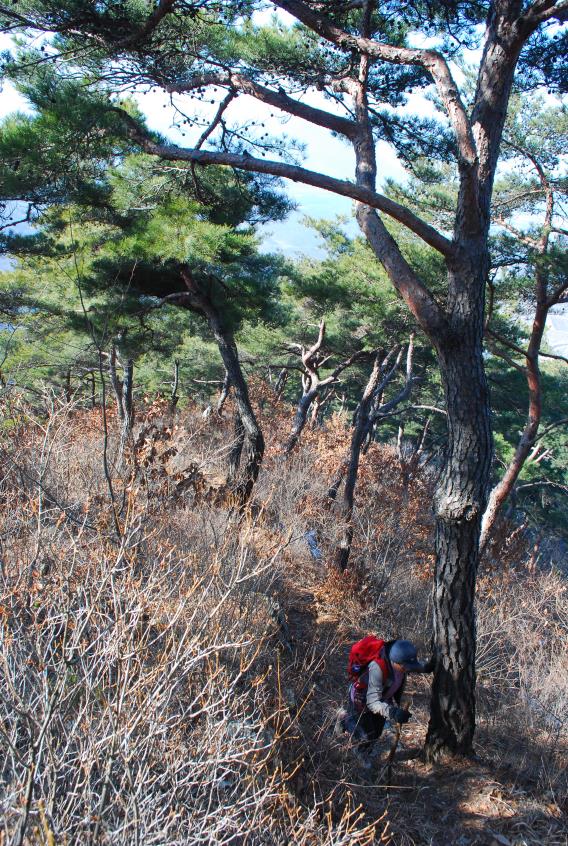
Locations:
(300, 419)
(234, 459)
(459, 504)
(93, 390)
(127, 404)
(360, 432)
(253, 444)
(452, 706)
(115, 382)
(174, 397)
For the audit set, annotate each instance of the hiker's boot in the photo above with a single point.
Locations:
(340, 728)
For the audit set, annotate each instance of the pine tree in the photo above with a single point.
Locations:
(360, 57)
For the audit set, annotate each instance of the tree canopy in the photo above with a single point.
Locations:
(350, 69)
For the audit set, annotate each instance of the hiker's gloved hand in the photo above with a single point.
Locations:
(399, 715)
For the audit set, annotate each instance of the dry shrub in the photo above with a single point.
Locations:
(179, 684)
(140, 694)
(522, 665)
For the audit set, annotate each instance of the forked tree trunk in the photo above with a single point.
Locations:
(369, 413)
(350, 467)
(312, 384)
(344, 547)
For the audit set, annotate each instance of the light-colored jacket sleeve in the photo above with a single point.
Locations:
(375, 691)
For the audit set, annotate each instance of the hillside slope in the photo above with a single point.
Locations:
(177, 681)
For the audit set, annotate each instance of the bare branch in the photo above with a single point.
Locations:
(430, 60)
(430, 408)
(557, 296)
(547, 10)
(520, 236)
(171, 152)
(507, 343)
(277, 99)
(554, 356)
(216, 120)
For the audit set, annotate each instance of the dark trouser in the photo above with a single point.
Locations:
(366, 728)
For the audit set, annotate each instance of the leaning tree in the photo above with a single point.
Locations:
(145, 245)
(357, 61)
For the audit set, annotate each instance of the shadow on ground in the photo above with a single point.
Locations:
(484, 802)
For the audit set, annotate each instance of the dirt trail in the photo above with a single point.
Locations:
(456, 803)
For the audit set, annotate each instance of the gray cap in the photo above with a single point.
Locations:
(404, 652)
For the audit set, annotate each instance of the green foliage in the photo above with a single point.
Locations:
(99, 272)
(136, 223)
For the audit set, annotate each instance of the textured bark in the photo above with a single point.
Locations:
(115, 382)
(225, 387)
(452, 707)
(461, 497)
(236, 450)
(456, 332)
(127, 403)
(253, 445)
(459, 503)
(300, 419)
(174, 397)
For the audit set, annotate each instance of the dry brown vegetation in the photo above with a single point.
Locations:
(177, 681)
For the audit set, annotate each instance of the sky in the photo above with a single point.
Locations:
(319, 151)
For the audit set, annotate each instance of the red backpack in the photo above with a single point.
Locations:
(362, 653)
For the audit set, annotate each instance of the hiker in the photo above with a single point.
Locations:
(377, 670)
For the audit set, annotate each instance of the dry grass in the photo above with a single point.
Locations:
(179, 683)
